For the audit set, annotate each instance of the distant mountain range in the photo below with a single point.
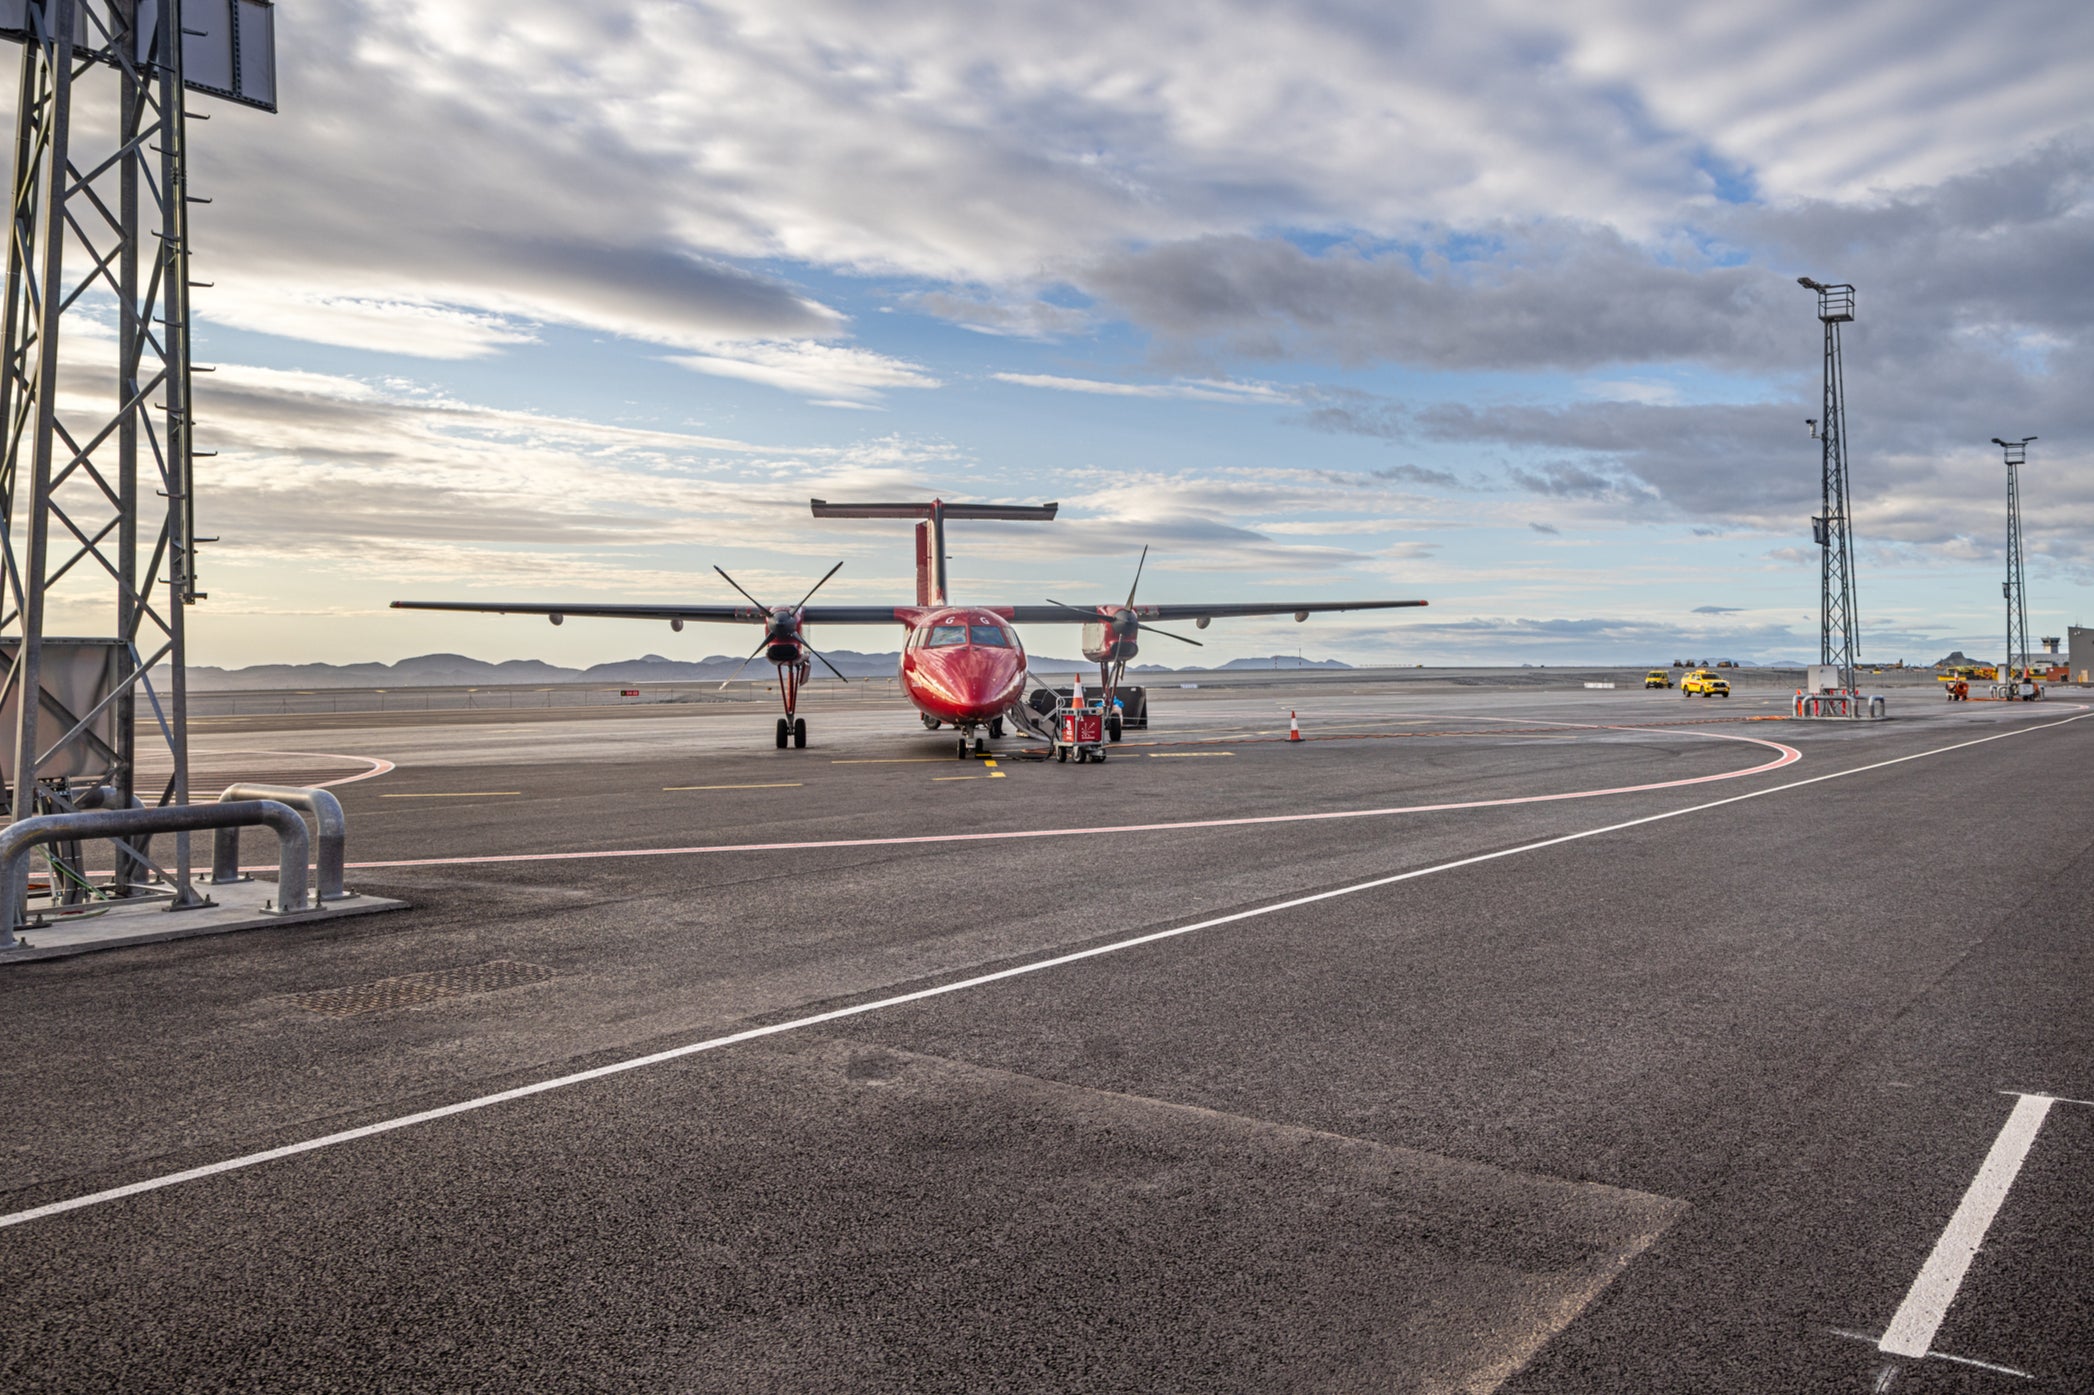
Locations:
(459, 671)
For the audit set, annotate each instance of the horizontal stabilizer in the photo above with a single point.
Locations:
(1023, 513)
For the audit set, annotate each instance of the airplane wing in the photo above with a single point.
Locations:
(724, 614)
(1188, 610)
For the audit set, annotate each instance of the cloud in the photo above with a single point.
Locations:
(1717, 610)
(830, 375)
(1014, 316)
(1192, 389)
(619, 164)
(1549, 528)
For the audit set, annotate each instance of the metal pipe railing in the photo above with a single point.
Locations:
(19, 839)
(330, 829)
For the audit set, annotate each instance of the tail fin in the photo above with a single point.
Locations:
(930, 536)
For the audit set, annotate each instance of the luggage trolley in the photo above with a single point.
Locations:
(1079, 726)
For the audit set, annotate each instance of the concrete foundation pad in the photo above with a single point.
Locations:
(235, 906)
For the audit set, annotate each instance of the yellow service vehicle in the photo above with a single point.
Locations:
(1704, 682)
(1658, 678)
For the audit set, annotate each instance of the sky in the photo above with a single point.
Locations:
(1492, 304)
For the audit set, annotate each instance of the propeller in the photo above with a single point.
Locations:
(1123, 620)
(783, 627)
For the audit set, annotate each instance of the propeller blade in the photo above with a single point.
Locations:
(823, 657)
(1090, 612)
(1137, 575)
(752, 655)
(1195, 643)
(738, 586)
(814, 588)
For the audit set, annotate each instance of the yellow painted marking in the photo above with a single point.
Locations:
(1186, 755)
(786, 785)
(995, 774)
(463, 794)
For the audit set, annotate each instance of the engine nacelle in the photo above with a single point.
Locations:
(1104, 643)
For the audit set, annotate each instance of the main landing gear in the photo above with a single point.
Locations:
(794, 731)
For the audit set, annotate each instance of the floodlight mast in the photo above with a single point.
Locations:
(79, 529)
(1838, 621)
(2015, 588)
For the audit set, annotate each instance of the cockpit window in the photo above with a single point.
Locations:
(991, 636)
(945, 636)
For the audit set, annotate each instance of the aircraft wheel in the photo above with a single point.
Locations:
(930, 723)
(799, 731)
(784, 733)
(963, 745)
(1112, 728)
(981, 744)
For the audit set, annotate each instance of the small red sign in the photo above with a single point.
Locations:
(629, 692)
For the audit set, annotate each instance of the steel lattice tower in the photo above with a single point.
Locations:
(95, 473)
(2014, 588)
(1838, 621)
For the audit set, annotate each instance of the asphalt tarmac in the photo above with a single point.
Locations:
(1495, 1037)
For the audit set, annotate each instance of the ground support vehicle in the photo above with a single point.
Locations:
(1658, 678)
(1079, 726)
(1127, 711)
(1705, 683)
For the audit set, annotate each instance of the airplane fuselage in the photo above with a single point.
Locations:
(962, 665)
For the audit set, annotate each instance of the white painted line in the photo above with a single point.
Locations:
(858, 1010)
(1919, 1317)
(377, 767)
(1938, 1355)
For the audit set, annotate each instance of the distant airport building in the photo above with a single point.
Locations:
(2080, 654)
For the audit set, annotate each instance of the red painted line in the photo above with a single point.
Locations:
(1788, 755)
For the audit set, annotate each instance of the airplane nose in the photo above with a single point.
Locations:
(977, 683)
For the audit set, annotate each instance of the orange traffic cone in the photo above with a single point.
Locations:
(1293, 727)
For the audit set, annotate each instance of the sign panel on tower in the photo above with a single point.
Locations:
(228, 46)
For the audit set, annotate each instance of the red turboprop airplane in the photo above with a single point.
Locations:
(962, 665)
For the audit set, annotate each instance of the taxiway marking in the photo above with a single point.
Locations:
(994, 773)
(677, 1053)
(783, 785)
(377, 767)
(1186, 755)
(1919, 1317)
(1789, 755)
